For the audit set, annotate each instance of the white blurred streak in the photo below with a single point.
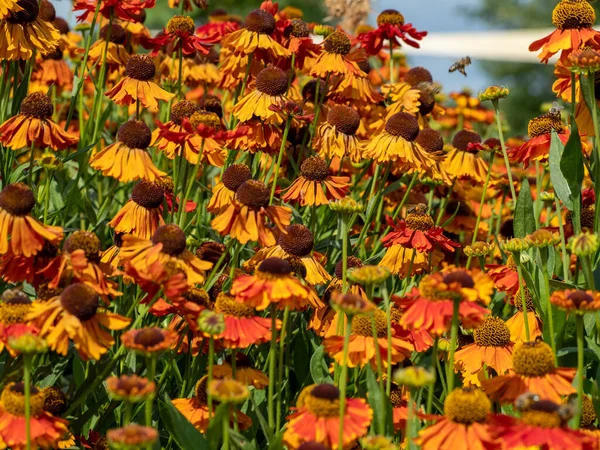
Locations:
(509, 45)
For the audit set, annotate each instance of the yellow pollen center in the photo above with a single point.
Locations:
(465, 405)
(573, 14)
(533, 359)
(362, 324)
(421, 222)
(183, 24)
(14, 401)
(226, 304)
(322, 407)
(493, 333)
(542, 419)
(545, 124)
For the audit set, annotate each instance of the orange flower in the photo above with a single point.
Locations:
(430, 307)
(23, 32)
(336, 137)
(150, 340)
(242, 327)
(576, 301)
(540, 131)
(116, 54)
(45, 429)
(21, 234)
(141, 216)
(505, 276)
(317, 418)
(33, 126)
(244, 219)
(136, 85)
(224, 191)
(244, 372)
(7, 7)
(167, 247)
(534, 371)
(76, 315)
(462, 162)
(573, 20)
(314, 178)
(296, 242)
(272, 282)
(492, 348)
(271, 86)
(195, 409)
(516, 324)
(337, 58)
(465, 421)
(362, 348)
(406, 262)
(128, 158)
(543, 424)
(54, 71)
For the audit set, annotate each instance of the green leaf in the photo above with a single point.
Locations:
(378, 402)
(559, 182)
(183, 432)
(214, 434)
(524, 223)
(318, 367)
(571, 164)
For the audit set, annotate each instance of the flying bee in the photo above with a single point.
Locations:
(419, 208)
(524, 401)
(556, 109)
(461, 65)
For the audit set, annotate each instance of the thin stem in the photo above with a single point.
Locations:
(482, 203)
(434, 360)
(344, 231)
(272, 358)
(388, 311)
(504, 154)
(187, 185)
(27, 382)
(211, 357)
(517, 259)
(344, 378)
(410, 418)
(180, 72)
(580, 332)
(391, 61)
(546, 281)
(226, 432)
(150, 400)
(453, 339)
(286, 318)
(563, 242)
(31, 161)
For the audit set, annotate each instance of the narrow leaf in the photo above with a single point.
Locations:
(571, 163)
(524, 223)
(184, 433)
(559, 182)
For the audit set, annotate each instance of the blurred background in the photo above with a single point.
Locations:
(477, 21)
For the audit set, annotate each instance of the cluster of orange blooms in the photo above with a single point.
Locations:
(290, 233)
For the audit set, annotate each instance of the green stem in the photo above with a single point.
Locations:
(211, 357)
(344, 231)
(187, 185)
(434, 360)
(344, 378)
(549, 312)
(379, 369)
(180, 72)
(31, 161)
(272, 366)
(410, 419)
(27, 382)
(563, 242)
(481, 205)
(453, 341)
(47, 196)
(150, 400)
(504, 154)
(388, 310)
(226, 432)
(127, 413)
(391, 61)
(286, 318)
(580, 349)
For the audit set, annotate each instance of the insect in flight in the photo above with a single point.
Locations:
(461, 65)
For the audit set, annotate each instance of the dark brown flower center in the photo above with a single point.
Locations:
(275, 266)
(404, 125)
(62, 25)
(172, 239)
(117, 33)
(580, 298)
(344, 118)
(80, 300)
(351, 263)
(297, 240)
(390, 17)
(149, 337)
(272, 81)
(337, 42)
(198, 296)
(30, 11)
(254, 194)
(19, 299)
(463, 138)
(181, 24)
(83, 240)
(260, 21)
(55, 55)
(47, 11)
(427, 102)
(544, 124)
(573, 14)
(17, 199)
(312, 446)
(147, 194)
(493, 144)
(182, 110)
(55, 401)
(212, 103)
(326, 392)
(309, 90)
(298, 28)
(235, 175)
(140, 67)
(314, 168)
(135, 134)
(460, 277)
(37, 105)
(431, 140)
(212, 251)
(518, 300)
(418, 75)
(297, 266)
